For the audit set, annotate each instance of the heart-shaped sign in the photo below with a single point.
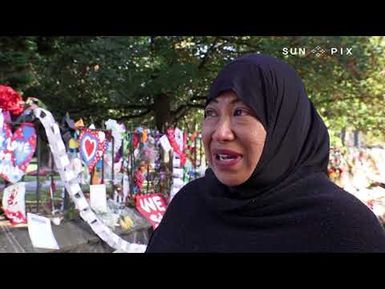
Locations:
(152, 207)
(92, 146)
(16, 149)
(88, 146)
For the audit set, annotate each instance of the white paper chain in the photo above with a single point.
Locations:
(73, 188)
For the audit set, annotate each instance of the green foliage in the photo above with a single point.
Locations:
(121, 77)
(16, 56)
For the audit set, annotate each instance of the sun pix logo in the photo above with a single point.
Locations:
(317, 51)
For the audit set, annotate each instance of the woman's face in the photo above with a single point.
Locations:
(233, 138)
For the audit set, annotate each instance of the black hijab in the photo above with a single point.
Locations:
(288, 204)
(297, 141)
(296, 135)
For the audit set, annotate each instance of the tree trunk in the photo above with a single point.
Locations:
(162, 110)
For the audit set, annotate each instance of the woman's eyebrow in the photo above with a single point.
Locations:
(213, 100)
(236, 100)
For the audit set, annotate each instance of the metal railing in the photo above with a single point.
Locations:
(157, 177)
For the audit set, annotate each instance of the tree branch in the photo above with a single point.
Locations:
(363, 96)
(143, 113)
(133, 106)
(205, 57)
(183, 109)
(198, 97)
(238, 41)
(187, 106)
(186, 109)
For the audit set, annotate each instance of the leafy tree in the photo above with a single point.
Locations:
(162, 80)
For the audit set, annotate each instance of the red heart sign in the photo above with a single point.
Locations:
(152, 207)
(90, 146)
(16, 149)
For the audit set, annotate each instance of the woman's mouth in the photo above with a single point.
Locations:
(226, 158)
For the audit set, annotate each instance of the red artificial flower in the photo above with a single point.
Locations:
(10, 100)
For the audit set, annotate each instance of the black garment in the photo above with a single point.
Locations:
(288, 204)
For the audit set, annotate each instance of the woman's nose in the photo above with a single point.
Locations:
(223, 130)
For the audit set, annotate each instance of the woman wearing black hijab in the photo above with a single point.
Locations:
(266, 189)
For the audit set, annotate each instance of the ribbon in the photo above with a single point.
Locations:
(73, 188)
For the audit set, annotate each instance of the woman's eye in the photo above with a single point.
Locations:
(209, 113)
(240, 111)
